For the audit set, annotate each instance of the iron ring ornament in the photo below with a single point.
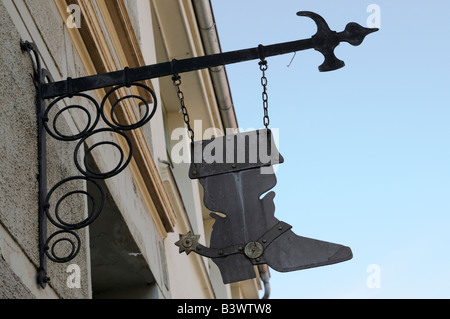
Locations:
(67, 233)
(55, 132)
(255, 251)
(112, 121)
(122, 163)
(50, 251)
(94, 212)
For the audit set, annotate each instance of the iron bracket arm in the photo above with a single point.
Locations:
(324, 41)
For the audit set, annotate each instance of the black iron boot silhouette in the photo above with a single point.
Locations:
(235, 171)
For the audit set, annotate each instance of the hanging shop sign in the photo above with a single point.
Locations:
(246, 232)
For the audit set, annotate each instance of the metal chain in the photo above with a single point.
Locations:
(264, 66)
(177, 83)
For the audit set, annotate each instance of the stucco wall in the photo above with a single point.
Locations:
(18, 131)
(12, 287)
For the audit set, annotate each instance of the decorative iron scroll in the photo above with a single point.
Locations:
(66, 235)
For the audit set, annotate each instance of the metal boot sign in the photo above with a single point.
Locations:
(235, 171)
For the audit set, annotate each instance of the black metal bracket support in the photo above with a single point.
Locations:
(324, 41)
(39, 76)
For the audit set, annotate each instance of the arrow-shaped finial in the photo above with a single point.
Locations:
(326, 40)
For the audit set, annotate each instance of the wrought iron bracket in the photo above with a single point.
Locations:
(324, 41)
(47, 213)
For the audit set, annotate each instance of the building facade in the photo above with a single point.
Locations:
(129, 251)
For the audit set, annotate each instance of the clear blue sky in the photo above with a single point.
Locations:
(367, 147)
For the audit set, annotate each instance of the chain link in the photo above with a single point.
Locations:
(177, 83)
(265, 97)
